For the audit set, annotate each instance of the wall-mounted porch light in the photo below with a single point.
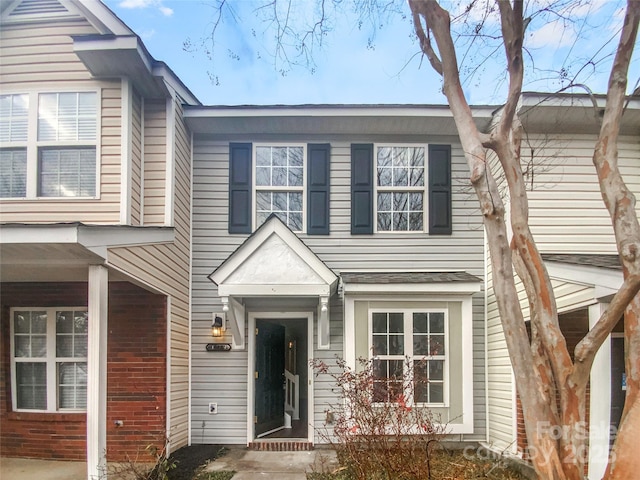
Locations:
(217, 325)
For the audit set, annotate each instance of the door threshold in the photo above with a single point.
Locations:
(281, 444)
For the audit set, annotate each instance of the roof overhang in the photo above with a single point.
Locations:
(62, 252)
(115, 56)
(605, 281)
(573, 113)
(334, 120)
(394, 283)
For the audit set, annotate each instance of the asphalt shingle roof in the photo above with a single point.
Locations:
(407, 277)
(611, 262)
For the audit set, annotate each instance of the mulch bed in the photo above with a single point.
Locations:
(189, 459)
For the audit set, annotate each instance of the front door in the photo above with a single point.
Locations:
(269, 377)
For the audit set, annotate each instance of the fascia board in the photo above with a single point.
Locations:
(102, 17)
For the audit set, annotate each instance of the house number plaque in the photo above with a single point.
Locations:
(218, 347)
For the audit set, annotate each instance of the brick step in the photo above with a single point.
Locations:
(280, 445)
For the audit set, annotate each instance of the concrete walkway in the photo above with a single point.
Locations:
(253, 465)
(249, 465)
(32, 469)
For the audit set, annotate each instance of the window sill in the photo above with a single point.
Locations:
(48, 416)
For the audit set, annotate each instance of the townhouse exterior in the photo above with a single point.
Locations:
(168, 269)
(573, 232)
(95, 241)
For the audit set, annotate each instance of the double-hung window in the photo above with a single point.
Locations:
(410, 354)
(67, 153)
(49, 359)
(280, 184)
(400, 188)
(53, 156)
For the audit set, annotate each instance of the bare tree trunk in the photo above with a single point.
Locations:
(545, 367)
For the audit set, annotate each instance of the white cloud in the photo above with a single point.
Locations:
(553, 34)
(133, 4)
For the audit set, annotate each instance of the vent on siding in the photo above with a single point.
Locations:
(38, 7)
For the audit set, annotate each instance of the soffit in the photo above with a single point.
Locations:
(349, 120)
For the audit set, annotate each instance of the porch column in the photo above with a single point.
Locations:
(97, 372)
(600, 401)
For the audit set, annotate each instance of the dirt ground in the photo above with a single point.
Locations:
(189, 458)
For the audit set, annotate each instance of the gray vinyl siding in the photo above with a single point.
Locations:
(223, 377)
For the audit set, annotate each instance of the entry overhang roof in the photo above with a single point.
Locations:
(273, 261)
(410, 282)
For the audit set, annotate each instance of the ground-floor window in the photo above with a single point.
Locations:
(49, 358)
(409, 355)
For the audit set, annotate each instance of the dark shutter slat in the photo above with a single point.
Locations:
(440, 190)
(240, 187)
(318, 188)
(361, 189)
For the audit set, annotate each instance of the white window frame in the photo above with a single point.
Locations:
(51, 360)
(256, 188)
(378, 189)
(18, 145)
(407, 356)
(33, 145)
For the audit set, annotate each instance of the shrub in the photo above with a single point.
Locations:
(376, 428)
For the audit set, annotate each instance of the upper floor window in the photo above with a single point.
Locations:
(49, 358)
(400, 188)
(279, 174)
(53, 156)
(412, 340)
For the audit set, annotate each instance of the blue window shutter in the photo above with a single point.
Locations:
(440, 190)
(318, 188)
(362, 189)
(240, 187)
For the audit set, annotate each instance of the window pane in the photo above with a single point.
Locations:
(13, 173)
(419, 322)
(436, 393)
(384, 222)
(279, 176)
(420, 345)
(67, 172)
(31, 383)
(263, 176)
(295, 221)
(295, 176)
(380, 345)
(396, 322)
(67, 116)
(436, 370)
(14, 110)
(400, 221)
(436, 346)
(71, 337)
(263, 156)
(436, 322)
(396, 345)
(30, 339)
(379, 322)
(279, 155)
(72, 381)
(385, 177)
(296, 156)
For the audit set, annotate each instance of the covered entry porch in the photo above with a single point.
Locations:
(278, 292)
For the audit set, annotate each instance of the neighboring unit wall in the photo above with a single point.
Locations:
(166, 269)
(222, 377)
(41, 59)
(136, 366)
(566, 211)
(155, 162)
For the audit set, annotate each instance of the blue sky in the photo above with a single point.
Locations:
(347, 70)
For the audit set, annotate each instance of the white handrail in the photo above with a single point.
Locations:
(292, 394)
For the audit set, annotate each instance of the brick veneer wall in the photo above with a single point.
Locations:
(136, 365)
